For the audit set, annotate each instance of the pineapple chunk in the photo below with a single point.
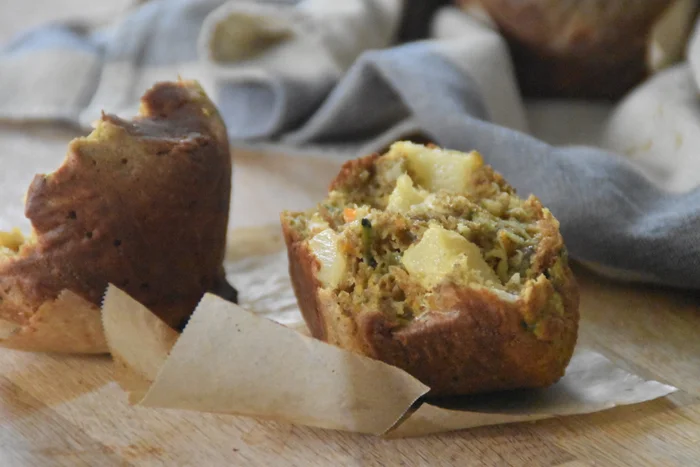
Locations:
(439, 251)
(324, 246)
(11, 240)
(405, 195)
(438, 169)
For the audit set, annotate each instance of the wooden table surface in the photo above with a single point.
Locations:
(58, 410)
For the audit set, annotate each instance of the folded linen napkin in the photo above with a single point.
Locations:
(326, 78)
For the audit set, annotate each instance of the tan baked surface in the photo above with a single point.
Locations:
(142, 204)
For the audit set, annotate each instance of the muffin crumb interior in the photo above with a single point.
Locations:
(394, 229)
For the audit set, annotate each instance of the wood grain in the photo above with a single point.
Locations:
(62, 410)
(59, 410)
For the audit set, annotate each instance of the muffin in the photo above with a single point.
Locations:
(426, 259)
(585, 48)
(142, 204)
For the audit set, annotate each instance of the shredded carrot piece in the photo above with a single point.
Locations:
(349, 214)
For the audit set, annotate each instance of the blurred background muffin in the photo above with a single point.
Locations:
(577, 48)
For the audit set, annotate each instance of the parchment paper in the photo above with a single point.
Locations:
(256, 360)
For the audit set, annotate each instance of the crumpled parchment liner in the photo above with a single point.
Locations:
(257, 360)
(68, 324)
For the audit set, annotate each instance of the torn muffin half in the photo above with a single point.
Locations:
(426, 259)
(142, 204)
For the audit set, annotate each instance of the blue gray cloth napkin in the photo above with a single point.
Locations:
(325, 78)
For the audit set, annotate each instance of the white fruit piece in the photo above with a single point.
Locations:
(10, 242)
(324, 246)
(405, 195)
(438, 169)
(439, 251)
